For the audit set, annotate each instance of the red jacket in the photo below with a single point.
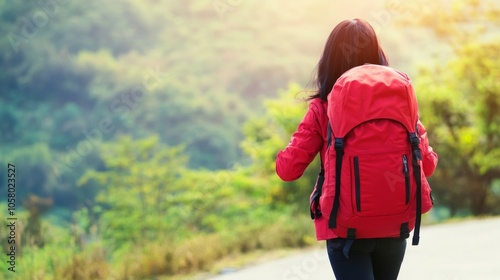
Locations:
(310, 139)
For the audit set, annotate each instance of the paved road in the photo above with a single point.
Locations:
(468, 250)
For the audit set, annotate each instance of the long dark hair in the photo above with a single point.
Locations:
(351, 43)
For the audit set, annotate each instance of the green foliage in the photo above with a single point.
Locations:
(459, 103)
(191, 73)
(32, 260)
(266, 135)
(151, 207)
(33, 171)
(154, 125)
(133, 201)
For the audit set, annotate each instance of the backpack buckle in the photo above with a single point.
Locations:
(414, 139)
(339, 144)
(414, 145)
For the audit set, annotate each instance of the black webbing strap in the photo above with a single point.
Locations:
(329, 136)
(417, 173)
(339, 149)
(404, 231)
(351, 236)
(316, 213)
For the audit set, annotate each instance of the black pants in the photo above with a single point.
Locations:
(369, 259)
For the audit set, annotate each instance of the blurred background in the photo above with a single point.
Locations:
(144, 133)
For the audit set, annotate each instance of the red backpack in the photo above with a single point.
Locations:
(373, 156)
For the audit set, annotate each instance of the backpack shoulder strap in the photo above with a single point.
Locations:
(339, 151)
(416, 156)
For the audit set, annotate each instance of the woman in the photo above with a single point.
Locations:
(351, 43)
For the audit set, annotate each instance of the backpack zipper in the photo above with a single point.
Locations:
(357, 183)
(406, 172)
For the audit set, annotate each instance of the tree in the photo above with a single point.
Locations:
(460, 104)
(138, 179)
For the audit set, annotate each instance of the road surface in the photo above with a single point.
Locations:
(468, 250)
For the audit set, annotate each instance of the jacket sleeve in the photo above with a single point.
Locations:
(429, 157)
(304, 145)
